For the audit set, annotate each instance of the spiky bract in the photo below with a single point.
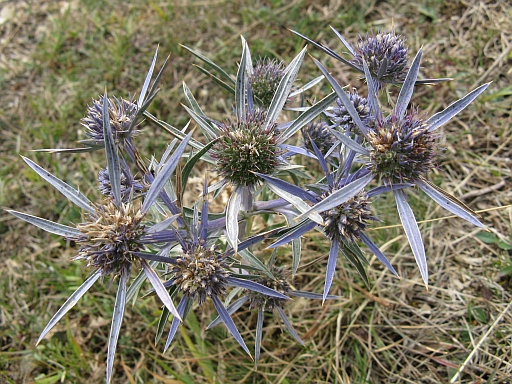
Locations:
(402, 151)
(121, 113)
(320, 134)
(200, 271)
(342, 118)
(346, 221)
(244, 146)
(279, 284)
(109, 236)
(383, 47)
(265, 78)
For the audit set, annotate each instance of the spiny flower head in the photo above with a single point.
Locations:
(265, 78)
(279, 284)
(342, 118)
(347, 220)
(109, 237)
(320, 134)
(384, 48)
(245, 146)
(121, 113)
(200, 271)
(402, 152)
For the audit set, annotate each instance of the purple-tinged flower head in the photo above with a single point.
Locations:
(385, 54)
(258, 300)
(109, 236)
(320, 134)
(402, 152)
(342, 118)
(200, 271)
(128, 184)
(265, 78)
(121, 113)
(347, 220)
(245, 146)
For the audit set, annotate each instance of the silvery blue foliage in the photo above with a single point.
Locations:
(194, 256)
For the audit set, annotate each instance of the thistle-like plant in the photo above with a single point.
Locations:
(401, 149)
(110, 237)
(384, 53)
(200, 272)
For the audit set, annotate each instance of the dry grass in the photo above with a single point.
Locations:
(54, 59)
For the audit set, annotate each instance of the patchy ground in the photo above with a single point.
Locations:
(56, 56)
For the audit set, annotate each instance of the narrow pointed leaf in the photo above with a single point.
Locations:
(382, 69)
(297, 202)
(307, 116)
(345, 42)
(344, 98)
(284, 88)
(311, 295)
(327, 50)
(357, 264)
(134, 288)
(353, 145)
(248, 63)
(70, 303)
(47, 225)
(226, 318)
(68, 150)
(154, 257)
(340, 196)
(223, 73)
(158, 76)
(289, 325)
(331, 268)
(387, 188)
(114, 168)
(413, 232)
(147, 80)
(175, 132)
(160, 290)
(192, 100)
(216, 79)
(209, 130)
(449, 202)
(404, 97)
(295, 233)
(287, 187)
(241, 85)
(235, 306)
(377, 252)
(449, 112)
(433, 81)
(117, 319)
(323, 164)
(232, 210)
(176, 321)
(259, 334)
(72, 194)
(164, 175)
(256, 287)
(373, 101)
(296, 253)
(307, 86)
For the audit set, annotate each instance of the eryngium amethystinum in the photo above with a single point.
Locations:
(200, 271)
(342, 118)
(245, 146)
(109, 236)
(318, 131)
(121, 113)
(385, 54)
(279, 284)
(128, 183)
(264, 79)
(402, 151)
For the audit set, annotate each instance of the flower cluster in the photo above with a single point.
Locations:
(186, 253)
